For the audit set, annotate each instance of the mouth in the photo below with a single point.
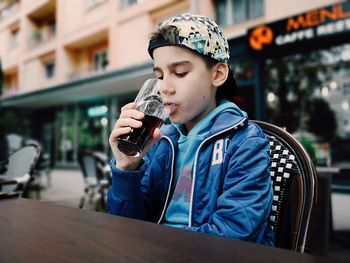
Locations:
(170, 106)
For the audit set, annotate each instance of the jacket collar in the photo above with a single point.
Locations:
(224, 121)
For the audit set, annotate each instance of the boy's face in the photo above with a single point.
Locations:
(187, 84)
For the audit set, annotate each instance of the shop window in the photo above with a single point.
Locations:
(100, 60)
(346, 88)
(237, 11)
(243, 68)
(309, 94)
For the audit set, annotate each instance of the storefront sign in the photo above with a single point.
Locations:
(316, 25)
(97, 111)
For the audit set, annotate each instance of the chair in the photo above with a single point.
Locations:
(96, 178)
(14, 142)
(19, 171)
(294, 180)
(43, 166)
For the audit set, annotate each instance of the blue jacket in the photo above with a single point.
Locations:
(231, 185)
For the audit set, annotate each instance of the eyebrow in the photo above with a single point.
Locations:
(173, 65)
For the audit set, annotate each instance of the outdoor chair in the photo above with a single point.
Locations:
(14, 142)
(96, 179)
(294, 182)
(42, 167)
(19, 171)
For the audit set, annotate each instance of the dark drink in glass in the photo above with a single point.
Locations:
(134, 143)
(149, 102)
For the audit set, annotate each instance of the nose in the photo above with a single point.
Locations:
(167, 88)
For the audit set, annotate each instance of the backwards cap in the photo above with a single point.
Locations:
(196, 32)
(202, 35)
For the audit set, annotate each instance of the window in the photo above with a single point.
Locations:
(93, 3)
(49, 69)
(14, 37)
(346, 88)
(100, 60)
(127, 3)
(237, 11)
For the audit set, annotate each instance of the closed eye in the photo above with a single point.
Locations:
(181, 75)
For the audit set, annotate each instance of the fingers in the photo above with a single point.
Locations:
(127, 122)
(129, 117)
(131, 105)
(116, 133)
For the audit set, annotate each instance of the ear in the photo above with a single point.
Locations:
(220, 74)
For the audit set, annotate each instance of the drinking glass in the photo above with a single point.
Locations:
(148, 101)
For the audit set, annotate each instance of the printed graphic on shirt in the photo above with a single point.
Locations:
(183, 186)
(178, 209)
(219, 151)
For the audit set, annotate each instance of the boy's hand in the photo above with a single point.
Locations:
(129, 119)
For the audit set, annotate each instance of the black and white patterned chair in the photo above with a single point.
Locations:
(294, 181)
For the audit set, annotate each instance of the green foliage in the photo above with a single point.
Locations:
(12, 121)
(88, 136)
(309, 147)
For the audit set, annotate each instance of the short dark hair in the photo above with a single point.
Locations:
(170, 34)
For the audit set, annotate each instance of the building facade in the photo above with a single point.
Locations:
(73, 64)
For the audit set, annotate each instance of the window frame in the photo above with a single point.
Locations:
(229, 14)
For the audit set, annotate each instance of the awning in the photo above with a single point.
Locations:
(100, 85)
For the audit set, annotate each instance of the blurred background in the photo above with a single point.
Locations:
(66, 68)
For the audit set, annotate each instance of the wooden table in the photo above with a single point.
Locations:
(35, 231)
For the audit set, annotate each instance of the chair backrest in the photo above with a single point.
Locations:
(294, 181)
(88, 167)
(22, 161)
(14, 142)
(92, 164)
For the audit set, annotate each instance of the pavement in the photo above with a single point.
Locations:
(66, 187)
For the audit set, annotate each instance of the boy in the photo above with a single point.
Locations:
(208, 171)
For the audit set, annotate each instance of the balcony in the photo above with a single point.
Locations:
(10, 87)
(42, 23)
(95, 62)
(84, 73)
(42, 34)
(8, 9)
(87, 56)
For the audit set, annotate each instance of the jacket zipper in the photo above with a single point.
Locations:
(171, 179)
(241, 123)
(194, 170)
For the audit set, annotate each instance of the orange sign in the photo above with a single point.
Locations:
(328, 23)
(260, 37)
(316, 17)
